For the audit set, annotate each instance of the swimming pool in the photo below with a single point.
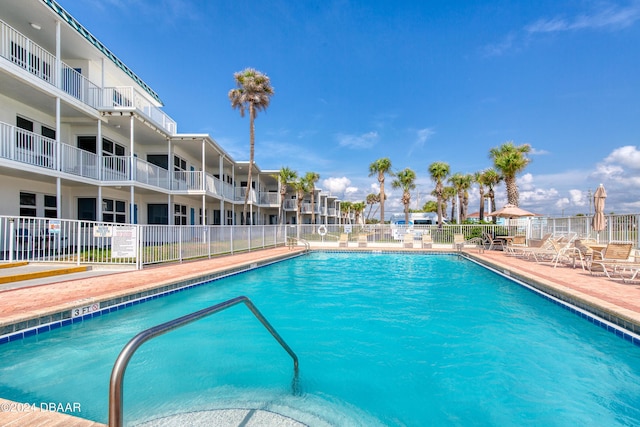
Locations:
(386, 339)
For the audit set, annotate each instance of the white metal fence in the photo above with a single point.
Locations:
(73, 241)
(89, 242)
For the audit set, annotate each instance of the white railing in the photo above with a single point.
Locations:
(27, 147)
(290, 205)
(150, 174)
(228, 191)
(269, 198)
(79, 162)
(115, 168)
(187, 181)
(128, 98)
(29, 56)
(36, 60)
(212, 185)
(90, 242)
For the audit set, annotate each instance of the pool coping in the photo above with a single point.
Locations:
(56, 316)
(618, 316)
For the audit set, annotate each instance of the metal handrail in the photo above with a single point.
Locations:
(307, 245)
(120, 366)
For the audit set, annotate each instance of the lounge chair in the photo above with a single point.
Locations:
(343, 241)
(491, 243)
(458, 241)
(362, 241)
(407, 240)
(546, 250)
(427, 241)
(614, 257)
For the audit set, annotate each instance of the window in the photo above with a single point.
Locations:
(50, 206)
(157, 214)
(87, 209)
(24, 139)
(109, 148)
(160, 160)
(28, 204)
(114, 211)
(180, 214)
(216, 217)
(179, 165)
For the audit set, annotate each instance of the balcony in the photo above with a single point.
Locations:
(127, 97)
(24, 147)
(23, 52)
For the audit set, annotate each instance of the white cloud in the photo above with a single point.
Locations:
(628, 156)
(366, 140)
(604, 18)
(608, 18)
(422, 135)
(336, 186)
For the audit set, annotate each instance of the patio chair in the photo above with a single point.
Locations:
(427, 241)
(539, 253)
(362, 241)
(407, 240)
(614, 257)
(580, 252)
(343, 240)
(491, 243)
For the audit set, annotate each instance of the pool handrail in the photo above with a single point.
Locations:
(120, 365)
(307, 245)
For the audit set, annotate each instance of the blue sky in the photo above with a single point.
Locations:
(415, 81)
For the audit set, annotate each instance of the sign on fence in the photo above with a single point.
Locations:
(123, 242)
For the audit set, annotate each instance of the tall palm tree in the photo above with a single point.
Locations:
(285, 177)
(439, 172)
(479, 178)
(466, 182)
(405, 180)
(381, 167)
(510, 160)
(311, 178)
(253, 92)
(492, 178)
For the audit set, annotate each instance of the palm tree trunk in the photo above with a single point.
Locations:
(382, 199)
(252, 135)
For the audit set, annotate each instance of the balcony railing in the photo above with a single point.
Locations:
(29, 56)
(26, 54)
(26, 147)
(126, 97)
(269, 198)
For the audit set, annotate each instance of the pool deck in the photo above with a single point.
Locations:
(18, 304)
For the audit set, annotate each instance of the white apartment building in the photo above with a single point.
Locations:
(83, 137)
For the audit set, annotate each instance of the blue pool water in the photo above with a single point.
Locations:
(383, 339)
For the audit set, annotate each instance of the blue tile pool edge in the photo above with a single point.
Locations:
(606, 320)
(49, 322)
(611, 322)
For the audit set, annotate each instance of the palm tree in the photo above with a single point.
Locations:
(253, 92)
(381, 167)
(358, 208)
(371, 200)
(479, 177)
(405, 180)
(285, 177)
(491, 179)
(510, 160)
(311, 178)
(301, 187)
(345, 211)
(439, 172)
